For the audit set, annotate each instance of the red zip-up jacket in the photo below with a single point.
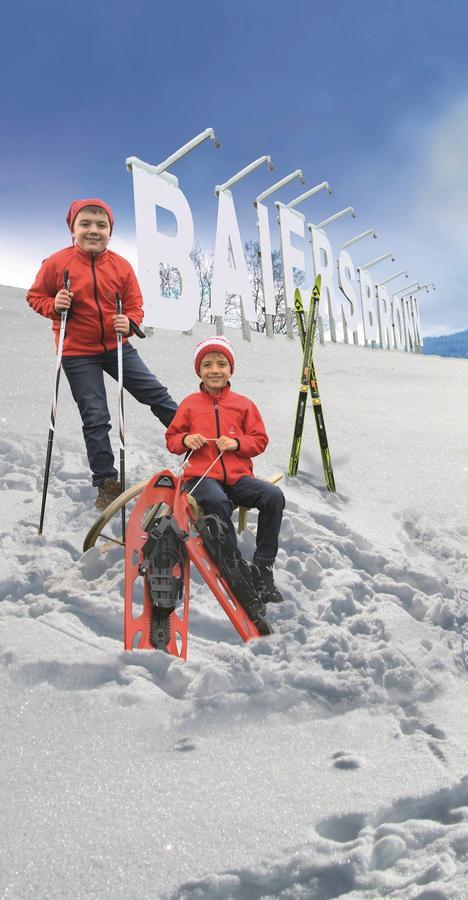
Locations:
(95, 279)
(227, 414)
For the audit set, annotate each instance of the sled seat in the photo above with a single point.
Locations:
(243, 510)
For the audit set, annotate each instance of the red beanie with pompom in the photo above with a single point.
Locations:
(216, 344)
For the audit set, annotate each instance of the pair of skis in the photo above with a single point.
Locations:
(307, 328)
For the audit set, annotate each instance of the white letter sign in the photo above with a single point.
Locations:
(229, 279)
(323, 265)
(290, 222)
(369, 313)
(265, 258)
(349, 305)
(362, 310)
(156, 249)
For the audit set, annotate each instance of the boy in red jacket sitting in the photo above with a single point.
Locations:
(96, 276)
(216, 420)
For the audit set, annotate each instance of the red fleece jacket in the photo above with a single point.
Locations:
(94, 280)
(227, 414)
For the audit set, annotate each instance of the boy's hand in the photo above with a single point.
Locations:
(194, 441)
(122, 324)
(63, 300)
(226, 443)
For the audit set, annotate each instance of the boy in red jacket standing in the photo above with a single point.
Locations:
(216, 420)
(96, 276)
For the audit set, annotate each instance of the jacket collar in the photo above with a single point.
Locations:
(87, 257)
(225, 391)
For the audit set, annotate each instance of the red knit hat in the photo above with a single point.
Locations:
(78, 205)
(213, 345)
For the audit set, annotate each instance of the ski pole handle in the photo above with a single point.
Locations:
(67, 286)
(58, 365)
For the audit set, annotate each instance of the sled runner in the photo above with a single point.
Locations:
(164, 536)
(107, 514)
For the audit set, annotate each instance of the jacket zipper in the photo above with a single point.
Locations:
(97, 302)
(218, 434)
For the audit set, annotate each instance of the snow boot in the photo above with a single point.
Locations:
(234, 569)
(107, 492)
(262, 577)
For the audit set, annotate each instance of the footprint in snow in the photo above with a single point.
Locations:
(343, 760)
(411, 725)
(185, 745)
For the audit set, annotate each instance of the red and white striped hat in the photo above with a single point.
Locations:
(217, 344)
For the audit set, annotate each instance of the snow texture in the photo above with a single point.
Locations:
(328, 760)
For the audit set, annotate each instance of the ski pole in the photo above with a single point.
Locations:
(118, 308)
(58, 368)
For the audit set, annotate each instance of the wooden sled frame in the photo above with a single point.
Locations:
(107, 514)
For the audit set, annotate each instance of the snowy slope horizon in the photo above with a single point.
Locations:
(448, 344)
(328, 760)
(451, 344)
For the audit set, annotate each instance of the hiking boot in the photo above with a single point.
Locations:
(262, 576)
(107, 492)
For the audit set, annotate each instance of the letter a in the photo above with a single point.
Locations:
(229, 279)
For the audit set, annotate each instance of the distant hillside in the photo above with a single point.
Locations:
(447, 345)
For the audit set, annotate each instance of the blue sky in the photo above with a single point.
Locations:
(372, 97)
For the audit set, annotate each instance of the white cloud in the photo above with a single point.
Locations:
(421, 209)
(443, 191)
(125, 245)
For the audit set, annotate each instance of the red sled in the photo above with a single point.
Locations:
(165, 501)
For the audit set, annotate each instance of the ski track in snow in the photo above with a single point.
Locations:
(367, 668)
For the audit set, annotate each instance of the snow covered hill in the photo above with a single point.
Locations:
(328, 760)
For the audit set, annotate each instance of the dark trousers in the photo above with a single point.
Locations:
(86, 378)
(220, 499)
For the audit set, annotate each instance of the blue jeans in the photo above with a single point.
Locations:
(86, 378)
(220, 499)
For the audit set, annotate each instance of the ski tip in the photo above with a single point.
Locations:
(317, 285)
(298, 304)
